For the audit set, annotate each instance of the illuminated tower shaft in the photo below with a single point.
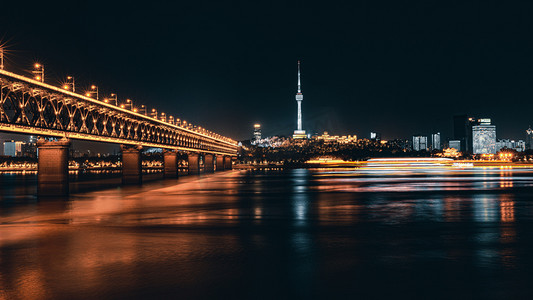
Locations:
(299, 98)
(299, 132)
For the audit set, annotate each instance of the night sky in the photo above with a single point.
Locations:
(387, 66)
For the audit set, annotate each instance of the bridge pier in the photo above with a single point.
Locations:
(227, 163)
(131, 164)
(220, 163)
(194, 163)
(52, 176)
(209, 164)
(170, 162)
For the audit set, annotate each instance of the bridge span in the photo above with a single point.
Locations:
(33, 107)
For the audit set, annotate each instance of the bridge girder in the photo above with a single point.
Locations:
(31, 107)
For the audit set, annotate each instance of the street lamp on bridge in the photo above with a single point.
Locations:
(39, 72)
(128, 103)
(163, 117)
(112, 98)
(142, 110)
(93, 90)
(1, 57)
(153, 114)
(69, 84)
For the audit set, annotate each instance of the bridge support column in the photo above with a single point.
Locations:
(227, 163)
(194, 163)
(209, 164)
(170, 160)
(131, 164)
(52, 176)
(220, 163)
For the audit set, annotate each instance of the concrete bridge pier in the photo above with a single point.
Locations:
(170, 162)
(220, 163)
(52, 176)
(131, 164)
(209, 164)
(194, 163)
(227, 163)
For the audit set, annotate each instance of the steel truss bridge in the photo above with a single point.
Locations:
(33, 107)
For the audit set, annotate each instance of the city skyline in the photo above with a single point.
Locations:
(367, 65)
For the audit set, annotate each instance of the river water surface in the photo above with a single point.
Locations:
(274, 234)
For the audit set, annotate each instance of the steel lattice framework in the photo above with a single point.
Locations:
(32, 107)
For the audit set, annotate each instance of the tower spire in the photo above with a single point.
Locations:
(299, 85)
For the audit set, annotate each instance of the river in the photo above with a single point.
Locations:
(336, 233)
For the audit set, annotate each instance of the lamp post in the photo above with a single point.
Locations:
(69, 84)
(1, 57)
(129, 103)
(39, 72)
(163, 117)
(143, 110)
(93, 90)
(154, 113)
(112, 98)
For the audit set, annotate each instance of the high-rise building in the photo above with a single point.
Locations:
(435, 141)
(299, 133)
(375, 136)
(13, 148)
(257, 134)
(462, 131)
(484, 137)
(420, 143)
(529, 138)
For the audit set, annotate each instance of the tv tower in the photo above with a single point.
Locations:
(299, 133)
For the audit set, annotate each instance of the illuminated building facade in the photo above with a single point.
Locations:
(13, 148)
(519, 146)
(299, 133)
(484, 137)
(435, 141)
(257, 134)
(455, 144)
(529, 138)
(420, 143)
(345, 139)
(374, 136)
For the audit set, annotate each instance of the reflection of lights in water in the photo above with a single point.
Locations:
(258, 213)
(300, 197)
(485, 208)
(506, 208)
